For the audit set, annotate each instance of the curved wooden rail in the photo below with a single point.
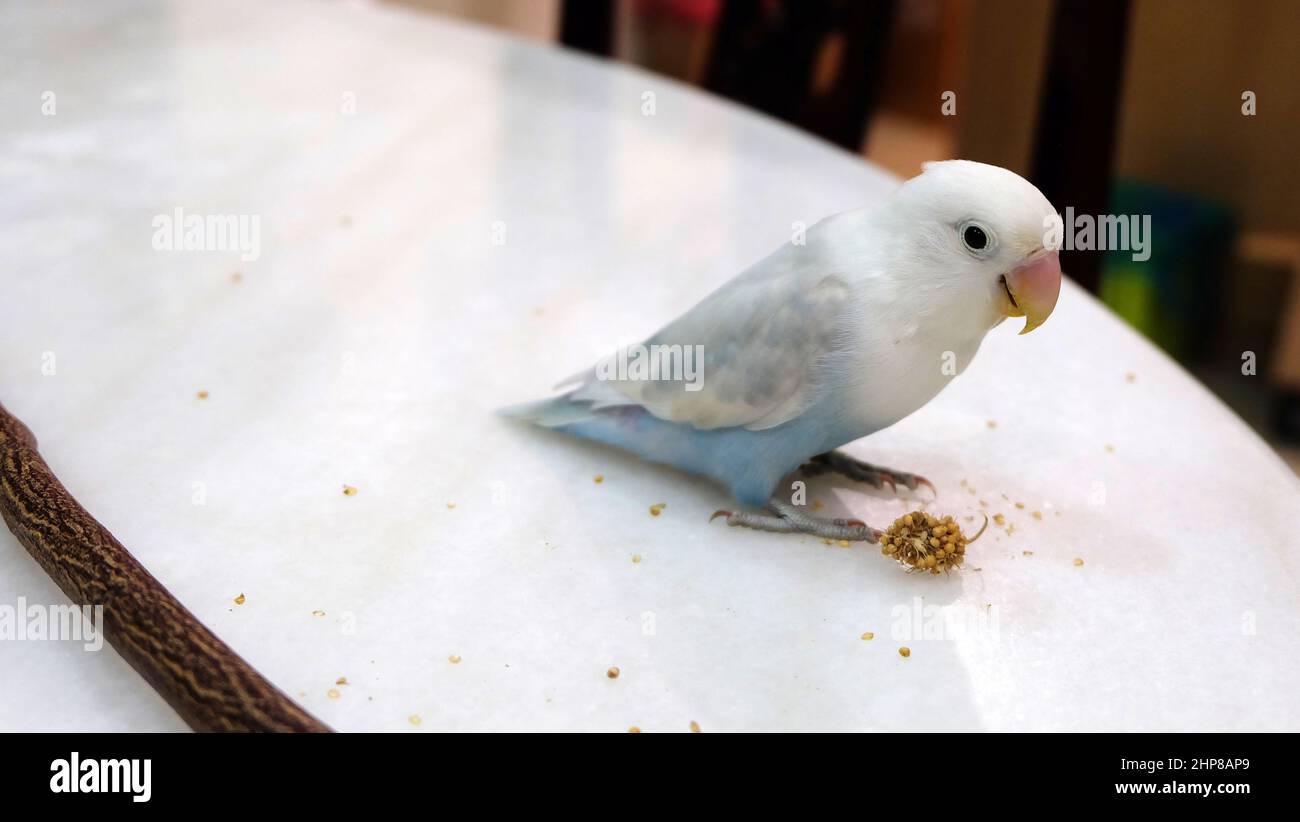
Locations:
(199, 675)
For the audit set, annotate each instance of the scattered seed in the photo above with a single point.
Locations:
(1027, 553)
(1020, 505)
(318, 613)
(454, 659)
(657, 508)
(1110, 449)
(333, 693)
(343, 680)
(695, 727)
(869, 635)
(612, 673)
(634, 730)
(905, 652)
(237, 278)
(1130, 377)
(239, 600)
(636, 558)
(598, 479)
(451, 505)
(999, 519)
(349, 491)
(1078, 561)
(844, 543)
(414, 719)
(1037, 515)
(202, 394)
(992, 423)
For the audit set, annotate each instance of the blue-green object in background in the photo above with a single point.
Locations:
(1171, 296)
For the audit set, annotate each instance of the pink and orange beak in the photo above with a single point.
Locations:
(1032, 288)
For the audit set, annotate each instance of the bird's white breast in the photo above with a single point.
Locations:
(903, 358)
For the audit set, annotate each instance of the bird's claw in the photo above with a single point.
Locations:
(860, 471)
(923, 481)
(785, 518)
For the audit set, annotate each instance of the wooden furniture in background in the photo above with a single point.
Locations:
(1075, 141)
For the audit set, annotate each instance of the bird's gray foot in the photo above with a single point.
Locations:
(855, 469)
(788, 519)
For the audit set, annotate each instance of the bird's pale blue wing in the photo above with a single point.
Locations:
(770, 338)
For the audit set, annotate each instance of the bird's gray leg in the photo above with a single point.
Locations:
(856, 469)
(788, 519)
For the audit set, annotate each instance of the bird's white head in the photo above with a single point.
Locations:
(979, 234)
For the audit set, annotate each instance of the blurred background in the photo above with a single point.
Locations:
(1184, 110)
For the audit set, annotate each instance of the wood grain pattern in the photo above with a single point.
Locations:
(199, 675)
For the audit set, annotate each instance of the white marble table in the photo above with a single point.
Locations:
(493, 217)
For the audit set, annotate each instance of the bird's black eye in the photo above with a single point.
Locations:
(974, 238)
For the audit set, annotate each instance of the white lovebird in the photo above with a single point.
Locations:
(826, 342)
